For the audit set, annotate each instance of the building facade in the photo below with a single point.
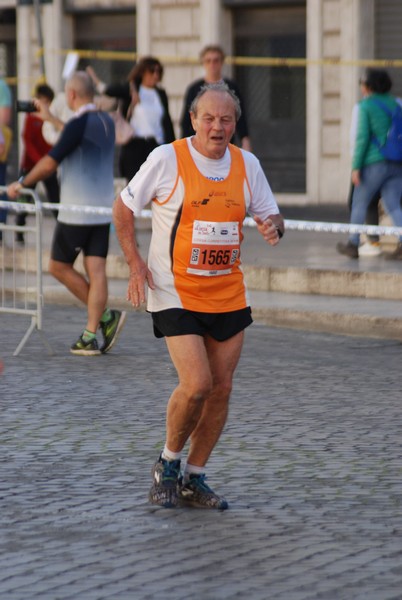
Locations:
(298, 109)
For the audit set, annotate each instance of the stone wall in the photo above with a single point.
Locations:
(333, 34)
(175, 31)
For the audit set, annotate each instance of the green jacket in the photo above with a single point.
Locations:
(373, 121)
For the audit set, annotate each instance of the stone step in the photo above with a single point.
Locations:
(386, 285)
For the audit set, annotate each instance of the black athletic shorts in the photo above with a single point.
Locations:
(70, 240)
(220, 326)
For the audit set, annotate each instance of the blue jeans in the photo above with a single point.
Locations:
(383, 177)
(3, 211)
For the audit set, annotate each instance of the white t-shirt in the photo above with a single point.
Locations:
(157, 177)
(147, 115)
(158, 180)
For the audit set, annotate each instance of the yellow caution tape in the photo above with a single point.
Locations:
(250, 61)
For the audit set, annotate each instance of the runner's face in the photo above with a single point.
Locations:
(214, 124)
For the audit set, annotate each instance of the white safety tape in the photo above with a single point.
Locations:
(326, 227)
(290, 224)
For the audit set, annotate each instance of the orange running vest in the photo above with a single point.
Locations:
(205, 244)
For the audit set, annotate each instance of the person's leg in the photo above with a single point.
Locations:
(223, 358)
(190, 358)
(20, 221)
(95, 267)
(372, 178)
(391, 195)
(350, 196)
(52, 191)
(372, 216)
(198, 409)
(92, 292)
(70, 278)
(132, 156)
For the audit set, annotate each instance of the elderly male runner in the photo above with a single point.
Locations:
(201, 189)
(86, 151)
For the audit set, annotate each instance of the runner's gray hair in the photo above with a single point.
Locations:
(216, 87)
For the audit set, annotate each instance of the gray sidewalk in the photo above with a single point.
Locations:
(310, 462)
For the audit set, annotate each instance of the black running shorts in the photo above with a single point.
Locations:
(220, 326)
(70, 240)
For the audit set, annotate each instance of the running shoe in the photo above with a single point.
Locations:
(348, 249)
(370, 249)
(111, 329)
(83, 348)
(164, 488)
(197, 493)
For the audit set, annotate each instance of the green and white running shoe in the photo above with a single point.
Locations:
(197, 493)
(83, 348)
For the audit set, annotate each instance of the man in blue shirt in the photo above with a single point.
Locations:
(85, 151)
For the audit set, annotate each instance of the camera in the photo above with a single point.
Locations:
(26, 106)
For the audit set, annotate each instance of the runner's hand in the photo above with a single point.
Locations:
(139, 275)
(268, 230)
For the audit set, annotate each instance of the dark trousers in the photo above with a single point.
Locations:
(133, 154)
(53, 195)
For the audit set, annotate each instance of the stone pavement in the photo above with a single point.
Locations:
(310, 462)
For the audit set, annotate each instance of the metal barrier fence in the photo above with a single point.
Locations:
(21, 286)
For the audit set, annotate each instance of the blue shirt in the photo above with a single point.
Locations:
(86, 151)
(5, 94)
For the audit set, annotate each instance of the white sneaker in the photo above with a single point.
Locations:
(370, 249)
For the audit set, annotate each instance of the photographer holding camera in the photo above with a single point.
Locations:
(35, 147)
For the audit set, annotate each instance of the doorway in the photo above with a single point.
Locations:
(275, 97)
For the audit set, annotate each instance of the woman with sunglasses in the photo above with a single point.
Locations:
(145, 105)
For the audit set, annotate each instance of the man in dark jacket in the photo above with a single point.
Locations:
(212, 58)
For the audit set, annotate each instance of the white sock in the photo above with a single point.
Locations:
(169, 455)
(192, 470)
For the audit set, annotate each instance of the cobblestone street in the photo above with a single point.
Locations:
(310, 463)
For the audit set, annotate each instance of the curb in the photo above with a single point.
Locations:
(330, 322)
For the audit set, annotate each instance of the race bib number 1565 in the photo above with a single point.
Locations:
(215, 248)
